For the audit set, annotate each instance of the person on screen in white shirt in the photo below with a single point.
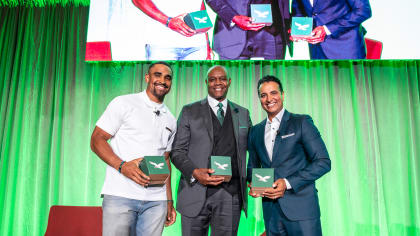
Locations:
(169, 37)
(137, 125)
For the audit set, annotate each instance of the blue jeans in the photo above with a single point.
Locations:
(124, 216)
(154, 53)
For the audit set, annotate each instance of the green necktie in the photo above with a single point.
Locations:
(220, 113)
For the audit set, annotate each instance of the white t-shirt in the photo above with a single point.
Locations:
(137, 131)
(159, 34)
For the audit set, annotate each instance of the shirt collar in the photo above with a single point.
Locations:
(213, 102)
(151, 104)
(277, 118)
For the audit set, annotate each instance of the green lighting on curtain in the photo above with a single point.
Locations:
(368, 113)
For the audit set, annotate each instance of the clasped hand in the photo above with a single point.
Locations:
(277, 191)
(245, 23)
(317, 36)
(203, 176)
(177, 24)
(132, 171)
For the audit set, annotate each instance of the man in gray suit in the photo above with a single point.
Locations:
(213, 126)
(236, 36)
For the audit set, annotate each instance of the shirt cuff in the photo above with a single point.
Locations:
(192, 180)
(327, 30)
(288, 186)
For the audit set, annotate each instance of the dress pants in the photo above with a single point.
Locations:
(277, 224)
(261, 45)
(221, 211)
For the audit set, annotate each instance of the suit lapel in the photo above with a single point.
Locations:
(205, 110)
(234, 112)
(235, 120)
(313, 3)
(261, 140)
(282, 130)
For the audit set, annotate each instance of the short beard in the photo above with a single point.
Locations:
(160, 97)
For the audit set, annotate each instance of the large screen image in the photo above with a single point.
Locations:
(139, 30)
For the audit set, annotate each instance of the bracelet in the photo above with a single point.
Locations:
(167, 21)
(170, 200)
(119, 168)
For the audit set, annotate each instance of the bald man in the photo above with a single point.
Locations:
(213, 126)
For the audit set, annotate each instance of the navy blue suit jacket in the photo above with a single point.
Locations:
(229, 41)
(300, 156)
(343, 18)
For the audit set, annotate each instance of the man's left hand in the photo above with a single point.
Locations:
(318, 35)
(278, 189)
(171, 215)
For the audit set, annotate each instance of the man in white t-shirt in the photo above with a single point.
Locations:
(168, 36)
(137, 125)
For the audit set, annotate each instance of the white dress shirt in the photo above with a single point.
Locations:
(271, 130)
(214, 104)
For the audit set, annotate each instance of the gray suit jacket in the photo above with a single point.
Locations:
(192, 148)
(229, 41)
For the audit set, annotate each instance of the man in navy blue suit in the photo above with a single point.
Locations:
(338, 32)
(291, 144)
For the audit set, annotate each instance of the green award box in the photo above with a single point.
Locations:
(262, 179)
(198, 21)
(156, 168)
(261, 13)
(221, 166)
(301, 27)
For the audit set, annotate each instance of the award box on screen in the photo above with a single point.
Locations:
(221, 166)
(261, 13)
(156, 168)
(262, 179)
(198, 21)
(301, 27)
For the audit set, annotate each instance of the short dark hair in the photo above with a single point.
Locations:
(158, 63)
(269, 78)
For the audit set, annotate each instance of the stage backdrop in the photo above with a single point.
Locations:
(368, 113)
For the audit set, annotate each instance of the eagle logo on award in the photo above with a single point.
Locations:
(301, 27)
(261, 13)
(221, 166)
(262, 179)
(198, 21)
(156, 168)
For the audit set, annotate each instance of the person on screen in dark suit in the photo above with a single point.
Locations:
(291, 144)
(338, 32)
(236, 37)
(213, 126)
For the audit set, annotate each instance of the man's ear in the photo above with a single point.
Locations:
(147, 78)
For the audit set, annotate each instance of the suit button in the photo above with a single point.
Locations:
(315, 14)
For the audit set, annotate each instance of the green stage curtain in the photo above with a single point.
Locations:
(368, 113)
